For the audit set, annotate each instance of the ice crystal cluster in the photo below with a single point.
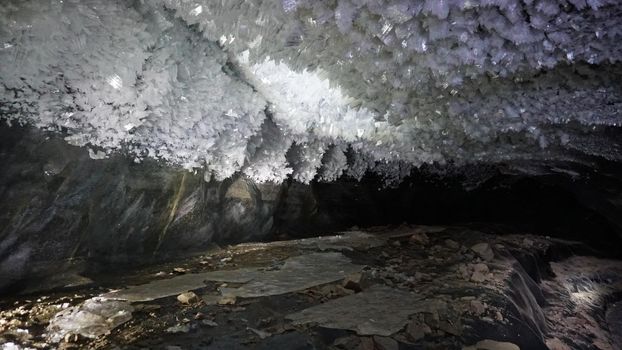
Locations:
(318, 89)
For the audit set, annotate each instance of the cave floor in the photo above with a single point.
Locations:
(406, 287)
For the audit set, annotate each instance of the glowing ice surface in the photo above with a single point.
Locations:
(306, 88)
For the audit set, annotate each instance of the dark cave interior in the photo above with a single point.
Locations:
(299, 174)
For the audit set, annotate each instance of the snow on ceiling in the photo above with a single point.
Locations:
(308, 89)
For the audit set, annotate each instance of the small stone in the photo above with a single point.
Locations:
(420, 276)
(180, 270)
(385, 343)
(463, 271)
(188, 298)
(348, 342)
(396, 243)
(417, 330)
(498, 316)
(226, 300)
(209, 323)
(71, 338)
(451, 322)
(480, 273)
(261, 334)
(146, 307)
(452, 244)
(484, 251)
(366, 344)
(180, 328)
(210, 299)
(353, 282)
(431, 319)
(488, 344)
(419, 238)
(264, 322)
(477, 307)
(556, 344)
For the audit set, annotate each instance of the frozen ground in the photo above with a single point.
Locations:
(407, 287)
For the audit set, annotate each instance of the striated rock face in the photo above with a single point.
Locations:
(60, 206)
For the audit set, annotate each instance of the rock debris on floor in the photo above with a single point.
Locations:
(406, 287)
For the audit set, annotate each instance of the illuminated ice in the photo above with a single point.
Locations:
(312, 89)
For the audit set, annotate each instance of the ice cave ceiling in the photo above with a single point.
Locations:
(322, 89)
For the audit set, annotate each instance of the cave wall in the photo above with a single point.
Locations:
(60, 207)
(62, 210)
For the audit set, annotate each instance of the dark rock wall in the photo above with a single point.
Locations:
(60, 209)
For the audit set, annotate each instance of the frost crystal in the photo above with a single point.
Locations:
(307, 88)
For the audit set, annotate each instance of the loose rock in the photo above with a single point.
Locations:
(477, 307)
(226, 300)
(419, 238)
(209, 323)
(484, 251)
(417, 330)
(352, 282)
(180, 328)
(556, 344)
(261, 334)
(188, 298)
(488, 344)
(480, 273)
(452, 244)
(385, 343)
(180, 270)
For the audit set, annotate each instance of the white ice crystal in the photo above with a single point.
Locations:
(314, 89)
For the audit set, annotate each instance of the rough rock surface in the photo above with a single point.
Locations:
(541, 294)
(63, 213)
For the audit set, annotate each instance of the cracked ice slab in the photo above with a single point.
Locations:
(297, 273)
(379, 310)
(96, 316)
